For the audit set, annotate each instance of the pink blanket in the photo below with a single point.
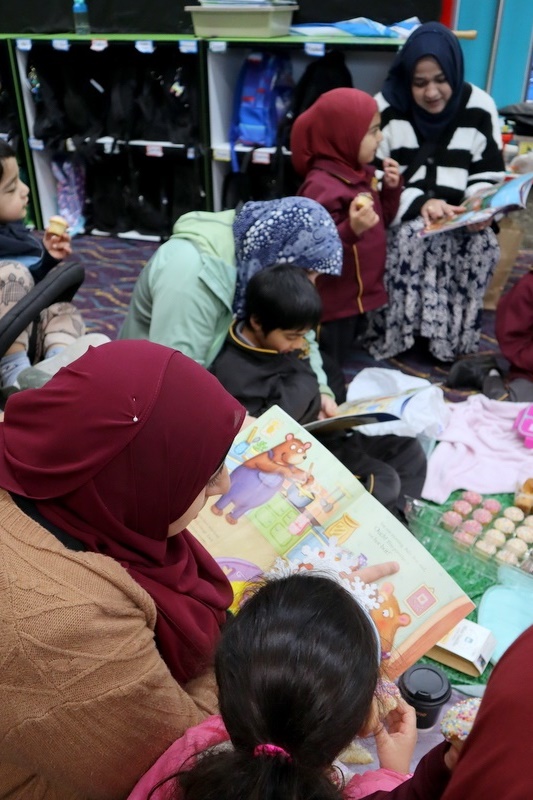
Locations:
(479, 450)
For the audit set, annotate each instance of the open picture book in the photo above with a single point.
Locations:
(487, 204)
(291, 498)
(365, 411)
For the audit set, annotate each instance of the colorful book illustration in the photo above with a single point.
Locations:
(495, 201)
(290, 497)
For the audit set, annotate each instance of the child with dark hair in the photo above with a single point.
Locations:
(24, 261)
(265, 362)
(298, 677)
(265, 359)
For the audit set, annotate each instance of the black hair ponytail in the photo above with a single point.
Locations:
(297, 669)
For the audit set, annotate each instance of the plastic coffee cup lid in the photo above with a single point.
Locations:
(425, 684)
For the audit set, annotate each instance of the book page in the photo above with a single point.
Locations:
(289, 496)
(502, 198)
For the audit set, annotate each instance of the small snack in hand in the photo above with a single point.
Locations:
(57, 225)
(457, 722)
(363, 199)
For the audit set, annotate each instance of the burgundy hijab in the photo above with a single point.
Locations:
(333, 129)
(112, 450)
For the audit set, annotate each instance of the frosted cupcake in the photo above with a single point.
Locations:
(495, 537)
(462, 507)
(516, 546)
(504, 525)
(492, 505)
(529, 521)
(525, 533)
(485, 548)
(472, 497)
(514, 514)
(450, 520)
(482, 515)
(464, 538)
(505, 556)
(471, 526)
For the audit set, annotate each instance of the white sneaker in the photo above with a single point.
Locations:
(39, 374)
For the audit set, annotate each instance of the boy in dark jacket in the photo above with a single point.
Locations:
(264, 362)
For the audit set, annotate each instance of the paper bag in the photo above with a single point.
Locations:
(510, 238)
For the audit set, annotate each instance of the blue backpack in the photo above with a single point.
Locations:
(263, 96)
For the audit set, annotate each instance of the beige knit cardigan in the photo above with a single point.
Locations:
(86, 702)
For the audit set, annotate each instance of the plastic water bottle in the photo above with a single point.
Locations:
(81, 17)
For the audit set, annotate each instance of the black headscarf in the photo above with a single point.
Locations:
(434, 40)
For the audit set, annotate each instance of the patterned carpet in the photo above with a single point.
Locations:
(112, 266)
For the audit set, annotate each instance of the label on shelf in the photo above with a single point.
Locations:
(61, 44)
(145, 46)
(218, 47)
(98, 45)
(24, 44)
(154, 150)
(315, 48)
(221, 153)
(188, 46)
(261, 157)
(35, 144)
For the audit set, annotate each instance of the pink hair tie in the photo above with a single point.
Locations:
(271, 750)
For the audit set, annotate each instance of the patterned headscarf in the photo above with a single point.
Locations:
(293, 230)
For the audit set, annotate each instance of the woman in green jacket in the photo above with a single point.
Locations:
(188, 292)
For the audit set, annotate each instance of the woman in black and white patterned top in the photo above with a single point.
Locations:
(445, 135)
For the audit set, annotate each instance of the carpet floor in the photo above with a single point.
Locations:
(112, 266)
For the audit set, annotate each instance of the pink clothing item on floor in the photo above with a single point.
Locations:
(478, 450)
(211, 732)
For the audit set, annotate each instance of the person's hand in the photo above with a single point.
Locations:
(58, 246)
(437, 210)
(362, 219)
(391, 173)
(396, 738)
(376, 572)
(328, 407)
(452, 754)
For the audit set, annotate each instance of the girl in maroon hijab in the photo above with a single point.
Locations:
(109, 606)
(333, 144)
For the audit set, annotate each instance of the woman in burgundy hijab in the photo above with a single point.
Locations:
(333, 144)
(114, 456)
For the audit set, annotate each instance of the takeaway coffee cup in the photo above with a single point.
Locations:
(427, 689)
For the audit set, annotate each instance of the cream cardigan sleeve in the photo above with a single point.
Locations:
(87, 704)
